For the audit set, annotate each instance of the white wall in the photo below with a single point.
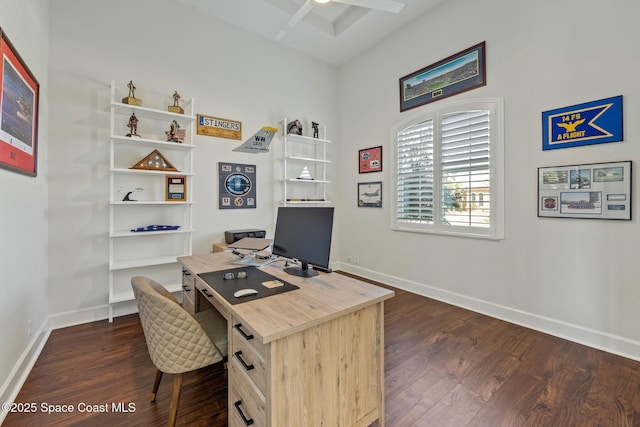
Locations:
(23, 214)
(162, 46)
(573, 278)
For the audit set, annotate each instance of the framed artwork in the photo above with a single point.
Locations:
(370, 194)
(593, 122)
(370, 160)
(176, 188)
(593, 190)
(237, 186)
(18, 112)
(456, 74)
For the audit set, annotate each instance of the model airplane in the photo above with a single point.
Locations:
(259, 142)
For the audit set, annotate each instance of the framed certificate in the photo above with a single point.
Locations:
(176, 189)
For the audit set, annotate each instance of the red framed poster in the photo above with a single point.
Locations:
(19, 92)
(370, 160)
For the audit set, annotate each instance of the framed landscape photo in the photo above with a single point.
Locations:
(18, 112)
(370, 160)
(456, 74)
(593, 190)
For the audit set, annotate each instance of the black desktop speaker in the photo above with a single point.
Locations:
(231, 236)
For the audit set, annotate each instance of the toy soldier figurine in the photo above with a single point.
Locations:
(175, 108)
(314, 125)
(132, 89)
(133, 126)
(131, 99)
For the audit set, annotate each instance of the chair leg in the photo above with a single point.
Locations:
(175, 399)
(156, 384)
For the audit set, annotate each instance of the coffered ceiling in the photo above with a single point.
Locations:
(332, 32)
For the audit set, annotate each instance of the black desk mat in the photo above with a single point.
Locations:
(254, 279)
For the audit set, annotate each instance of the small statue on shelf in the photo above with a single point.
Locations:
(294, 127)
(127, 197)
(176, 108)
(314, 125)
(175, 134)
(133, 126)
(131, 99)
(132, 89)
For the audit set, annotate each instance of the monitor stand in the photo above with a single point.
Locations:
(304, 271)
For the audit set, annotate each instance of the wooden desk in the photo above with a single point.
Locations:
(313, 356)
(220, 247)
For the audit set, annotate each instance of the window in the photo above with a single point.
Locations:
(448, 168)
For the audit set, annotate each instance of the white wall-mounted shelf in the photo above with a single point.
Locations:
(149, 172)
(116, 234)
(300, 152)
(150, 253)
(144, 262)
(125, 296)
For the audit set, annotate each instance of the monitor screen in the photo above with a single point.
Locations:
(304, 234)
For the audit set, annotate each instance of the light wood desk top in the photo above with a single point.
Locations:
(319, 299)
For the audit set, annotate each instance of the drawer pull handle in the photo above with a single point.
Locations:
(247, 421)
(206, 293)
(186, 288)
(186, 273)
(243, 333)
(238, 355)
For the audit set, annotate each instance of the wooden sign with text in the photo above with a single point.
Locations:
(219, 127)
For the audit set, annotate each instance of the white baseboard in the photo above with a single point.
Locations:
(20, 372)
(92, 314)
(590, 337)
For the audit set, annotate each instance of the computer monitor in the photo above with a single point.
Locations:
(304, 233)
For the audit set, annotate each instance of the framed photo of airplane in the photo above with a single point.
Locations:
(18, 112)
(370, 194)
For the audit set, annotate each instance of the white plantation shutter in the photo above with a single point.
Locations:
(464, 163)
(447, 170)
(415, 173)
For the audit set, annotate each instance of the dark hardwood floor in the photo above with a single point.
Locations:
(444, 366)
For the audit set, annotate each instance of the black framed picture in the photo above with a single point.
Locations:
(370, 160)
(588, 191)
(370, 194)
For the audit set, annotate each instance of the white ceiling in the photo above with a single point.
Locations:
(331, 32)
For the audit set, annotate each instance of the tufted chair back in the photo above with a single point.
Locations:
(176, 341)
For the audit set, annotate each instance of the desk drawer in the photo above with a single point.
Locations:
(246, 403)
(241, 333)
(249, 361)
(206, 293)
(188, 291)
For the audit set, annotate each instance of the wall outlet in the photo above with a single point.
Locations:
(29, 332)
